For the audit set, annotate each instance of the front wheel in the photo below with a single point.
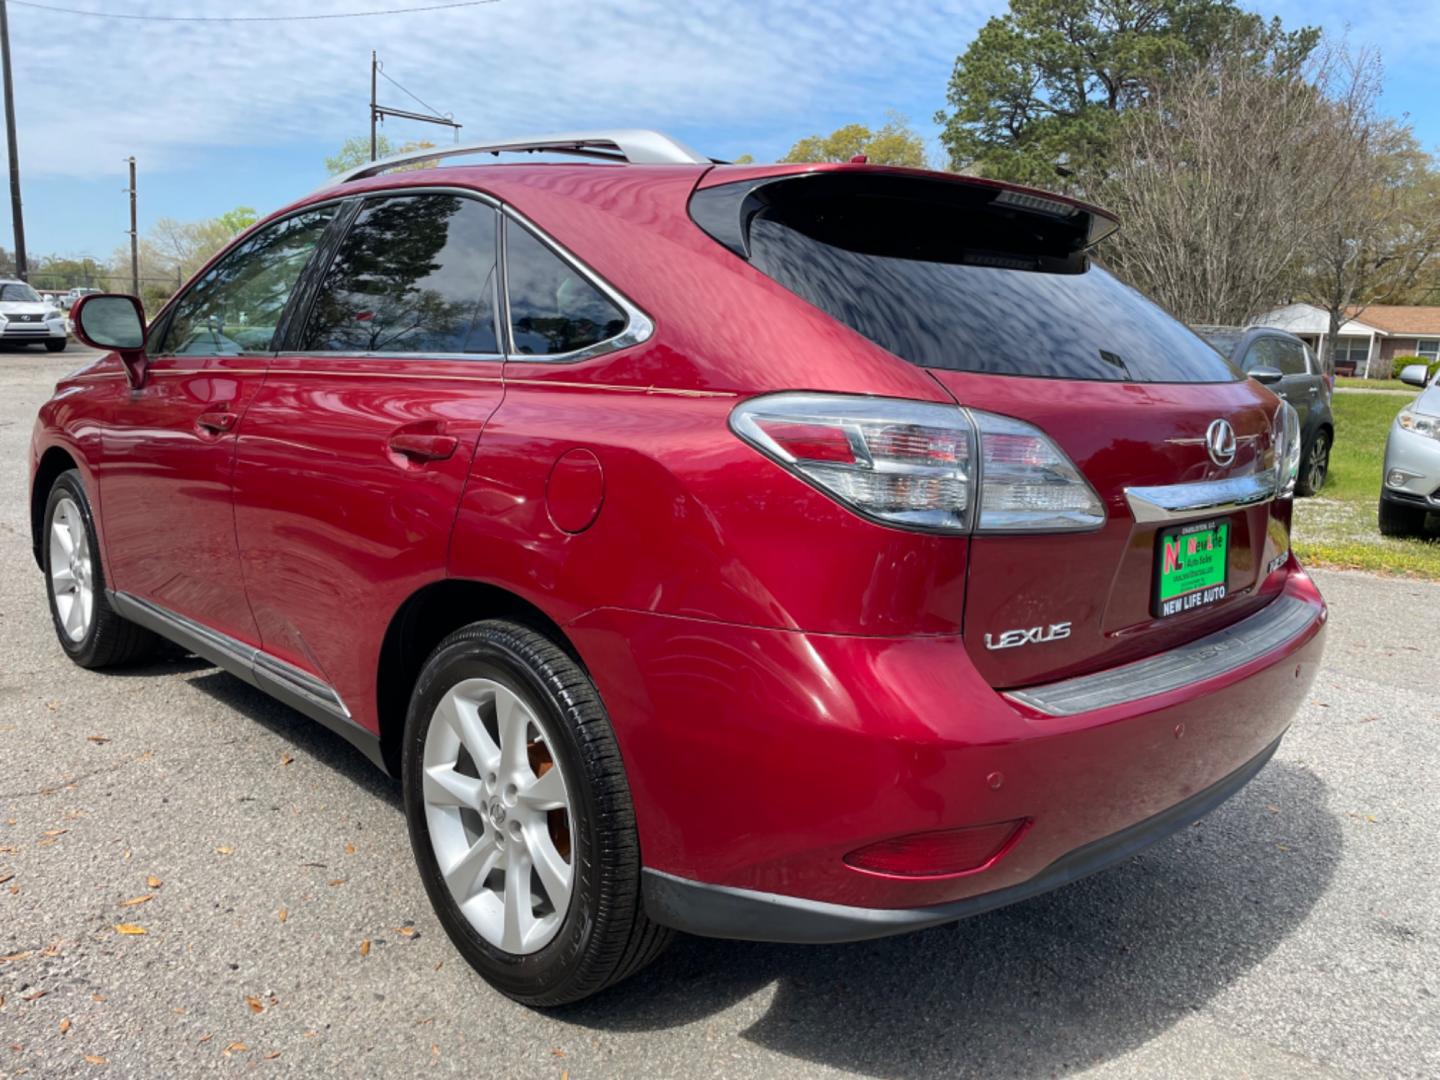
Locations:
(55, 345)
(1316, 466)
(88, 628)
(520, 817)
(1397, 519)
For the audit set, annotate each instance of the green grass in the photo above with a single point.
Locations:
(1338, 527)
(1343, 382)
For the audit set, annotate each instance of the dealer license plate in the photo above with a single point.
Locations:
(1190, 565)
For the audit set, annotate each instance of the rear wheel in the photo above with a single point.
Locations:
(520, 817)
(89, 630)
(1396, 519)
(55, 345)
(1316, 466)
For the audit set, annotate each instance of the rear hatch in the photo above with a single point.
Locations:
(991, 290)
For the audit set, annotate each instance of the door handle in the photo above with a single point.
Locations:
(421, 447)
(216, 421)
(1314, 390)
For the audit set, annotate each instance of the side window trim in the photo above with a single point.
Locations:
(638, 325)
(329, 248)
(167, 314)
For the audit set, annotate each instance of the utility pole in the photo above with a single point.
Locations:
(134, 237)
(22, 269)
(374, 67)
(378, 112)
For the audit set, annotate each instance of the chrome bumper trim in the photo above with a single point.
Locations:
(1182, 502)
(1275, 625)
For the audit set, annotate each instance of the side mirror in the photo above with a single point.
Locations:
(1268, 376)
(1414, 375)
(114, 321)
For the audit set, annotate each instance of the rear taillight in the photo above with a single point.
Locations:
(943, 853)
(923, 466)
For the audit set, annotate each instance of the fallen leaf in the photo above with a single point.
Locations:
(178, 1011)
(128, 928)
(53, 949)
(555, 1051)
(7, 849)
(49, 841)
(286, 759)
(349, 849)
(365, 947)
(426, 1020)
(36, 996)
(15, 956)
(206, 1037)
(96, 1059)
(54, 832)
(6, 876)
(14, 889)
(439, 964)
(137, 900)
(97, 738)
(98, 997)
(254, 1004)
(153, 882)
(405, 931)
(224, 851)
(272, 1056)
(2, 1001)
(235, 1048)
(282, 914)
(64, 1025)
(311, 1033)
(337, 881)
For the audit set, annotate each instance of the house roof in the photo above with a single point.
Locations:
(1308, 319)
(1402, 320)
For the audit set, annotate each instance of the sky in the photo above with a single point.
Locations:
(220, 115)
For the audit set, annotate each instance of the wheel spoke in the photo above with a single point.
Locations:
(519, 916)
(512, 719)
(75, 617)
(545, 792)
(468, 873)
(464, 718)
(62, 579)
(446, 787)
(61, 532)
(553, 871)
(87, 606)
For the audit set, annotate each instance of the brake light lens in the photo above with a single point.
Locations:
(944, 853)
(923, 466)
(1285, 436)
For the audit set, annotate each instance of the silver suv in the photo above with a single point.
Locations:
(1411, 487)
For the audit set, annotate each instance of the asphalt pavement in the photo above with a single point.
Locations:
(279, 928)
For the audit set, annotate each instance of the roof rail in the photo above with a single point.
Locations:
(634, 145)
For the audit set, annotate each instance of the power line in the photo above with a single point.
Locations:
(380, 70)
(248, 18)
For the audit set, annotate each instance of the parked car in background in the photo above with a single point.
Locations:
(76, 293)
(1288, 366)
(28, 319)
(1410, 488)
(792, 552)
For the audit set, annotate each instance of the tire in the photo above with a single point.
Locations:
(485, 680)
(55, 345)
(102, 638)
(1315, 466)
(1396, 519)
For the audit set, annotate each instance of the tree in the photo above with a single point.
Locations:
(1381, 234)
(1225, 177)
(1035, 97)
(744, 159)
(355, 151)
(896, 143)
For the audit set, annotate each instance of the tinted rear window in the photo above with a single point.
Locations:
(951, 283)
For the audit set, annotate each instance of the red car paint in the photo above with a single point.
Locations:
(788, 681)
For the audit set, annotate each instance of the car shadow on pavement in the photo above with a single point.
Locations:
(1053, 985)
(307, 736)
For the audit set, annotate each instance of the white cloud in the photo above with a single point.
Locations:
(763, 72)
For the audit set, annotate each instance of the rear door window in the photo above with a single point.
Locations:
(947, 275)
(554, 308)
(414, 274)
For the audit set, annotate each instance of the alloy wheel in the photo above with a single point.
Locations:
(71, 570)
(1319, 463)
(498, 814)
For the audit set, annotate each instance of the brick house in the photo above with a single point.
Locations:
(1370, 339)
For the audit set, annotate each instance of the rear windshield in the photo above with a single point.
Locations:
(1224, 340)
(950, 283)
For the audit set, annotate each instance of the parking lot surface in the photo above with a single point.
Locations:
(279, 928)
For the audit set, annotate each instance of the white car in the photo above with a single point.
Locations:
(1412, 460)
(26, 318)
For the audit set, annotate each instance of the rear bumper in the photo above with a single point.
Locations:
(758, 759)
(715, 911)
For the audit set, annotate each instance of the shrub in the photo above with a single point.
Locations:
(1432, 367)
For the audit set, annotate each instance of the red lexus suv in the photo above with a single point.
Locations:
(791, 553)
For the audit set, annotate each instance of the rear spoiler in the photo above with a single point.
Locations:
(904, 212)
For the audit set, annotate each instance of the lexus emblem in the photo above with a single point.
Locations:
(1220, 441)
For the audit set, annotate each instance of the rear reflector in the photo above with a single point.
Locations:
(938, 854)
